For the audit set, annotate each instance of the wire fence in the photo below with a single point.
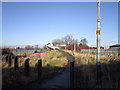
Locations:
(22, 52)
(103, 51)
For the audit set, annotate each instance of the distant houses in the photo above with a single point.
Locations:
(113, 49)
(78, 47)
(71, 47)
(51, 46)
(116, 48)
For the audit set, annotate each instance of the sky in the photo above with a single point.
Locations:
(31, 23)
(119, 23)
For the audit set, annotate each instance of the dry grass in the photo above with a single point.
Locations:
(53, 62)
(86, 71)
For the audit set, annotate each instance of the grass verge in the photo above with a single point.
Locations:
(53, 62)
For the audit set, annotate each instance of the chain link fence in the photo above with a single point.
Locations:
(113, 51)
(22, 52)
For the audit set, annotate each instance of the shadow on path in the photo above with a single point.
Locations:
(62, 80)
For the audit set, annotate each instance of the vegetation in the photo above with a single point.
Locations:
(67, 40)
(53, 62)
(6, 51)
(86, 70)
(28, 47)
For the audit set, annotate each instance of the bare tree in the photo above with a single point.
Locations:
(28, 47)
(68, 39)
(84, 41)
(57, 42)
(44, 47)
(74, 41)
(36, 46)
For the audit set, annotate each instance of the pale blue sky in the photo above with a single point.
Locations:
(39, 23)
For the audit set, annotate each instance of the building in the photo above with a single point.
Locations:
(78, 47)
(117, 46)
(51, 46)
(115, 49)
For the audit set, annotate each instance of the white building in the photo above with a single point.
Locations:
(50, 45)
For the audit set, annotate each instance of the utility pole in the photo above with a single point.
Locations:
(74, 46)
(98, 34)
(98, 46)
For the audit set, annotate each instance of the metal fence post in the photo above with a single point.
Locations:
(16, 63)
(39, 71)
(72, 74)
(99, 76)
(6, 59)
(9, 61)
(27, 67)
